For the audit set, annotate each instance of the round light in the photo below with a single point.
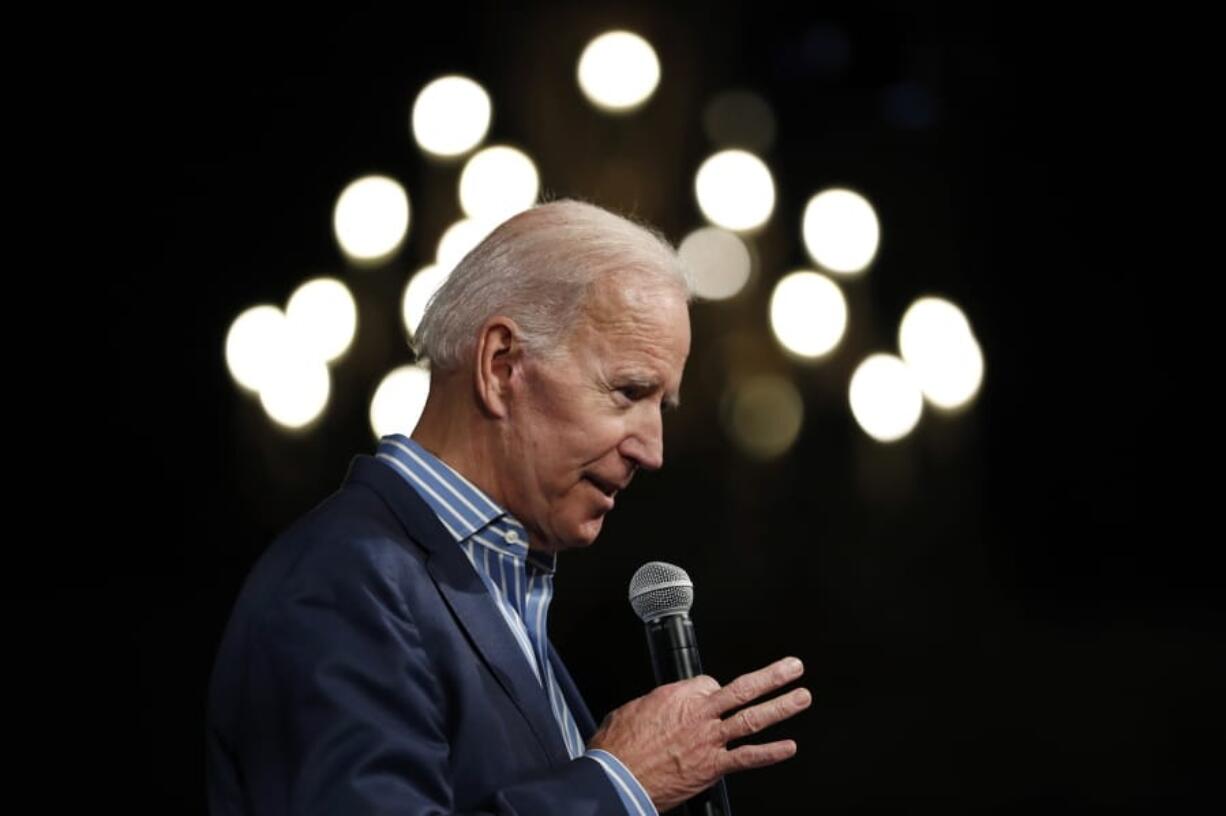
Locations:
(497, 183)
(371, 218)
(451, 116)
(417, 294)
(253, 343)
(460, 239)
(735, 190)
(840, 230)
(295, 392)
(808, 314)
(938, 345)
(618, 71)
(740, 119)
(763, 416)
(718, 260)
(323, 316)
(884, 397)
(399, 400)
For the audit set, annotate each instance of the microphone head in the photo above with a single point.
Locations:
(660, 589)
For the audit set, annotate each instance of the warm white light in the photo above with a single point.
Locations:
(840, 230)
(417, 294)
(371, 218)
(497, 183)
(451, 116)
(323, 316)
(884, 397)
(735, 190)
(763, 415)
(618, 71)
(252, 344)
(938, 345)
(808, 314)
(399, 400)
(718, 260)
(296, 390)
(460, 239)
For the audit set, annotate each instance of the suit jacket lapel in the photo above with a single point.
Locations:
(470, 602)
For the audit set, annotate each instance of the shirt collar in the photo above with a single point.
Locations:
(464, 509)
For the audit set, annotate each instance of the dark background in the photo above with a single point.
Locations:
(1015, 609)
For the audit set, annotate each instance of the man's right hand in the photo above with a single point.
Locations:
(674, 740)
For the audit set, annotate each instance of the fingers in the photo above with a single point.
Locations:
(757, 756)
(755, 718)
(749, 687)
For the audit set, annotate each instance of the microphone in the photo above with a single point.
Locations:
(661, 595)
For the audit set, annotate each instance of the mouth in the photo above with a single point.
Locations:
(608, 489)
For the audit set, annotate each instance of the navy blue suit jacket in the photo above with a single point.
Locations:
(365, 669)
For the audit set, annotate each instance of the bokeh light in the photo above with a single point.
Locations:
(618, 71)
(719, 261)
(371, 218)
(937, 343)
(885, 398)
(497, 183)
(399, 400)
(252, 344)
(417, 294)
(808, 314)
(763, 415)
(735, 190)
(458, 240)
(451, 116)
(323, 316)
(295, 392)
(741, 119)
(841, 231)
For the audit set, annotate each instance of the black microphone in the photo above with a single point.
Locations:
(661, 595)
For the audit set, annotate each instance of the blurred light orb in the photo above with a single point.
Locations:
(618, 71)
(808, 314)
(497, 183)
(371, 218)
(840, 231)
(718, 260)
(735, 190)
(417, 294)
(323, 316)
(763, 416)
(458, 240)
(885, 399)
(740, 119)
(296, 391)
(937, 343)
(399, 400)
(451, 116)
(252, 344)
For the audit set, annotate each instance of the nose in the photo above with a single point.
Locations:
(644, 444)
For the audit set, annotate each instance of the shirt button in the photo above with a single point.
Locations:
(512, 536)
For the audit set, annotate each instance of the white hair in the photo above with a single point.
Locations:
(538, 269)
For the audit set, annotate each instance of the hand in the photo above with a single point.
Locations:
(674, 739)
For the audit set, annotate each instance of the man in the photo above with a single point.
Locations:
(389, 653)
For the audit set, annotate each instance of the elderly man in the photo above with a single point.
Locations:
(389, 652)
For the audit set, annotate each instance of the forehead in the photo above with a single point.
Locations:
(635, 324)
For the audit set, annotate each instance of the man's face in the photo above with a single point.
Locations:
(581, 424)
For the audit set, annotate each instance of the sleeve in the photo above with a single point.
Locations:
(349, 712)
(633, 797)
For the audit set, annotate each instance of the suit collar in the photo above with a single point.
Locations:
(470, 602)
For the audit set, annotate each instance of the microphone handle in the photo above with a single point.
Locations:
(674, 656)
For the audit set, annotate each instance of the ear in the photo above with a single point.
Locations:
(499, 364)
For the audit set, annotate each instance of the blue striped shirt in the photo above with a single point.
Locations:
(519, 580)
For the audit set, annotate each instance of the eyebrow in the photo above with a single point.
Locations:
(671, 401)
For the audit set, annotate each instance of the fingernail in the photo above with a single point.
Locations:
(803, 697)
(794, 666)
